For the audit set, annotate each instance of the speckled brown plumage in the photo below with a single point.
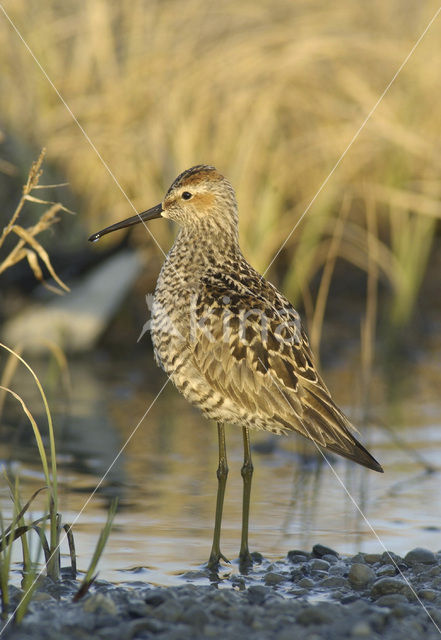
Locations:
(229, 340)
(231, 343)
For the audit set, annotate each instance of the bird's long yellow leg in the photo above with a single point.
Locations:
(247, 474)
(222, 473)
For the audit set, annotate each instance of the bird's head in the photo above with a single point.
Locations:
(199, 198)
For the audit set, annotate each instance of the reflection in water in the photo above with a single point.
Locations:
(165, 475)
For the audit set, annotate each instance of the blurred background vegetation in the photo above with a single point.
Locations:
(269, 92)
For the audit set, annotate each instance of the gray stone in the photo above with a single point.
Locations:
(306, 583)
(338, 569)
(41, 596)
(319, 575)
(273, 578)
(313, 614)
(319, 565)
(297, 556)
(330, 558)
(360, 574)
(372, 558)
(333, 581)
(361, 629)
(402, 610)
(319, 550)
(211, 631)
(99, 603)
(386, 570)
(257, 593)
(138, 608)
(169, 611)
(420, 555)
(350, 598)
(297, 574)
(238, 582)
(297, 593)
(142, 624)
(359, 557)
(428, 594)
(436, 615)
(389, 557)
(391, 600)
(195, 616)
(256, 557)
(379, 620)
(385, 586)
(155, 598)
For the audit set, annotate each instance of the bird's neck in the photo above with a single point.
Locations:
(205, 247)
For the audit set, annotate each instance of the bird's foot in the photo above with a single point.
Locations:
(214, 560)
(245, 560)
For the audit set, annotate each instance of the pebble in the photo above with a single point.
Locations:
(386, 570)
(360, 574)
(372, 558)
(319, 575)
(273, 578)
(297, 556)
(420, 555)
(319, 550)
(142, 624)
(306, 583)
(257, 593)
(384, 586)
(389, 557)
(319, 565)
(99, 603)
(41, 596)
(313, 615)
(195, 616)
(361, 629)
(333, 581)
(154, 598)
(391, 600)
(428, 594)
(170, 611)
(338, 569)
(313, 596)
(138, 608)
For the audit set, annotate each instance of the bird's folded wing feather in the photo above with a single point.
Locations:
(258, 356)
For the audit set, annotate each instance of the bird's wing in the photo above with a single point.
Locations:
(259, 357)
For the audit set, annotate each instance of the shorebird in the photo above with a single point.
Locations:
(232, 344)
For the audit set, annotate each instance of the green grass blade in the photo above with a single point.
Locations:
(90, 577)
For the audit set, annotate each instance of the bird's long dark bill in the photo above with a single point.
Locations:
(150, 214)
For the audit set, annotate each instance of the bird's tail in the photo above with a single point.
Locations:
(322, 416)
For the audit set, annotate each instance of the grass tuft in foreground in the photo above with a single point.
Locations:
(50, 529)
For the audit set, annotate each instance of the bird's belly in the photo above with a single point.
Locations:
(174, 356)
(172, 349)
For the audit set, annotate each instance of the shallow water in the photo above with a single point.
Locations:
(165, 477)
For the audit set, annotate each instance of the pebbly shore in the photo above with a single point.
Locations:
(310, 595)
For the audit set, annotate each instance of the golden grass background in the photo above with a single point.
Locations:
(269, 92)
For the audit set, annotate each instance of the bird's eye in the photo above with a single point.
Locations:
(186, 195)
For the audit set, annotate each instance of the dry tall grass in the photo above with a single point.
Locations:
(271, 93)
(27, 247)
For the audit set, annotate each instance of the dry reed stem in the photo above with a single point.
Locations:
(27, 246)
(368, 325)
(325, 281)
